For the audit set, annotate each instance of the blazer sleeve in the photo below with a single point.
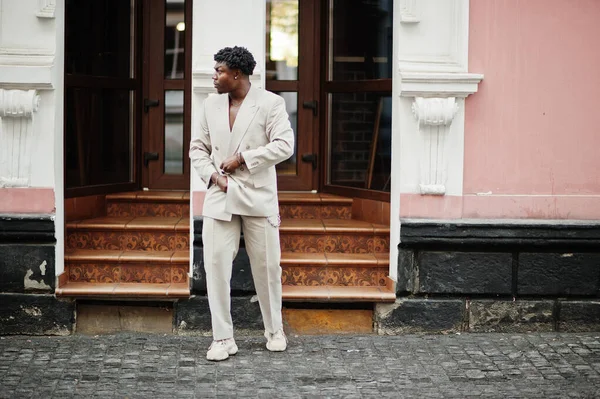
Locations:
(201, 150)
(281, 140)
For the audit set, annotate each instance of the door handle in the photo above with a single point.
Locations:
(310, 158)
(150, 103)
(314, 105)
(150, 156)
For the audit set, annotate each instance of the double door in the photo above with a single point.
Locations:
(166, 116)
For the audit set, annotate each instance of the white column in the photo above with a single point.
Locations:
(431, 82)
(31, 100)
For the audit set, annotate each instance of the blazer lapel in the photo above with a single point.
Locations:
(243, 119)
(222, 136)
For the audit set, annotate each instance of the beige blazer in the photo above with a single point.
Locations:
(262, 133)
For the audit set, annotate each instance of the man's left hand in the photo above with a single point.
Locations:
(230, 164)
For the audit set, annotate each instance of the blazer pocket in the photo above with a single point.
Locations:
(263, 178)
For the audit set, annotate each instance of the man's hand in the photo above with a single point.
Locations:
(230, 164)
(220, 181)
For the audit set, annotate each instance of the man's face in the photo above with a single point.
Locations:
(224, 78)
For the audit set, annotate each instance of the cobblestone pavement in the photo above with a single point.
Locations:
(549, 365)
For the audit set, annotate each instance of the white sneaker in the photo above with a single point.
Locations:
(220, 350)
(276, 342)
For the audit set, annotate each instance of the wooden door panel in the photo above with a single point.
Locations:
(299, 87)
(167, 95)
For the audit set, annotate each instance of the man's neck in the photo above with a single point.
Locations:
(240, 93)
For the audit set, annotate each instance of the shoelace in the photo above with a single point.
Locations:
(222, 342)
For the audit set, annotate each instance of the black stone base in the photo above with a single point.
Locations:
(508, 258)
(30, 314)
(488, 315)
(579, 316)
(443, 315)
(27, 254)
(192, 316)
(407, 316)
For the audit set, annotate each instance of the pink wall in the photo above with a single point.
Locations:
(532, 139)
(27, 200)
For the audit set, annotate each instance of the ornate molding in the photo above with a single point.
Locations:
(17, 108)
(409, 12)
(202, 81)
(25, 68)
(434, 117)
(47, 9)
(433, 84)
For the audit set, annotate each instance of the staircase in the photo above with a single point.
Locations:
(328, 256)
(141, 249)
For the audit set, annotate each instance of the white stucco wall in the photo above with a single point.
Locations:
(28, 43)
(31, 77)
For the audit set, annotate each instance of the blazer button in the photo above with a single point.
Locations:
(242, 168)
(247, 147)
(217, 148)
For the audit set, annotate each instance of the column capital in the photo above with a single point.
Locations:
(18, 103)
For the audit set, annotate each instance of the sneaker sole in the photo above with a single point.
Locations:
(230, 352)
(218, 359)
(276, 349)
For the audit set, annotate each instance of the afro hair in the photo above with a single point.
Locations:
(237, 58)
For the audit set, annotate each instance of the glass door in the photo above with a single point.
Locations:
(291, 72)
(101, 96)
(166, 120)
(356, 90)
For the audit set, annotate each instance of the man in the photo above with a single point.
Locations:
(243, 133)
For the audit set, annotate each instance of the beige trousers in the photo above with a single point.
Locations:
(221, 242)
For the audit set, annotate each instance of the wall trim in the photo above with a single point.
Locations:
(495, 232)
(433, 84)
(27, 228)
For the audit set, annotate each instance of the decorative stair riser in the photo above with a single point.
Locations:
(124, 209)
(334, 243)
(128, 240)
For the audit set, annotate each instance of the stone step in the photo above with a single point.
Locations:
(314, 206)
(149, 203)
(159, 291)
(321, 293)
(334, 269)
(333, 236)
(116, 266)
(111, 274)
(130, 233)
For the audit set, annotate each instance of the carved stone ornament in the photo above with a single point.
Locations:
(434, 117)
(47, 9)
(409, 13)
(17, 108)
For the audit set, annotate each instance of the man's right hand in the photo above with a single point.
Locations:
(222, 183)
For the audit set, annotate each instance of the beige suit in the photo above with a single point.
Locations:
(262, 133)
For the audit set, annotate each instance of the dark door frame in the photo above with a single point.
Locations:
(154, 87)
(307, 87)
